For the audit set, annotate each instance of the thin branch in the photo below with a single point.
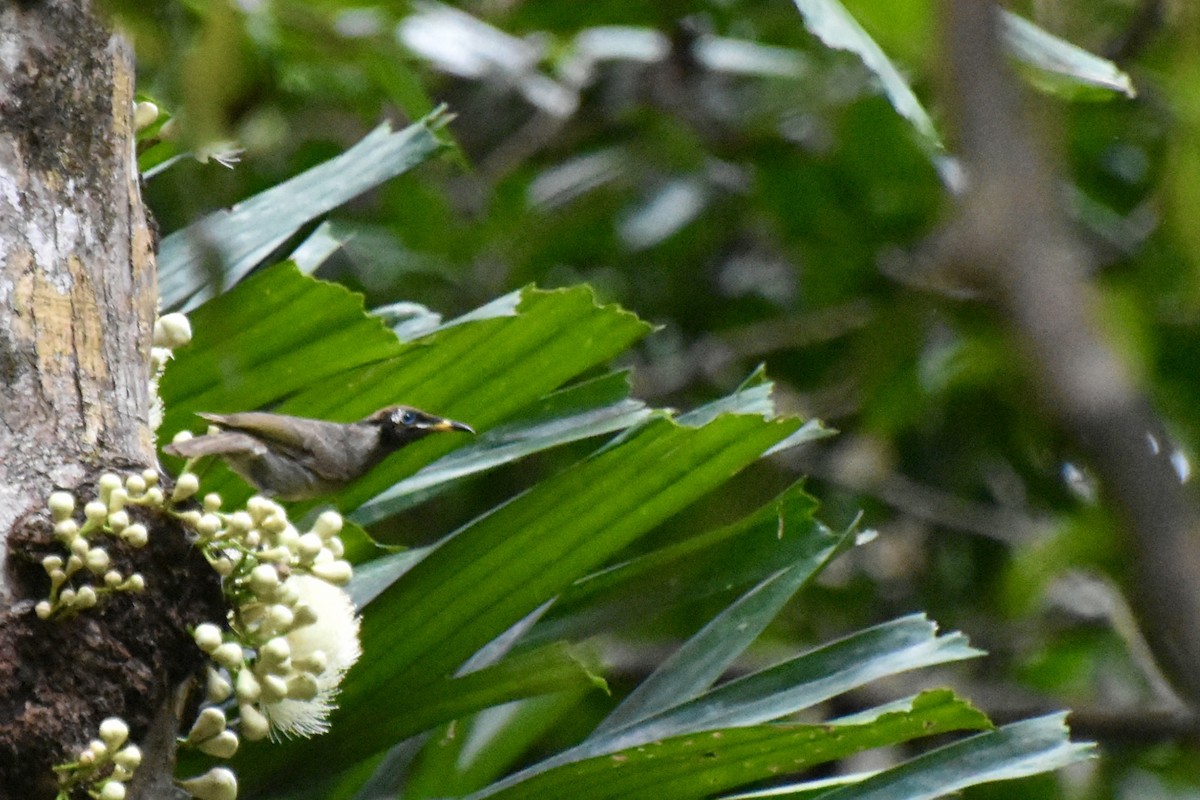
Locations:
(1012, 234)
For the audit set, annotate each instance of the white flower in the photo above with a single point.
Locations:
(335, 636)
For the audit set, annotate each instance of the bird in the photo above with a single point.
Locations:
(296, 458)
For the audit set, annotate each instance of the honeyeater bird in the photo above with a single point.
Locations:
(295, 458)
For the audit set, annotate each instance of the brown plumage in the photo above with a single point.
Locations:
(295, 458)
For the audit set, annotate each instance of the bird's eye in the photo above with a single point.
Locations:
(407, 418)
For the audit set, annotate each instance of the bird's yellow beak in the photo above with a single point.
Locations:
(444, 425)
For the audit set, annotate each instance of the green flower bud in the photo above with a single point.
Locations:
(336, 572)
(96, 560)
(135, 535)
(187, 485)
(112, 790)
(96, 512)
(172, 331)
(228, 655)
(208, 637)
(253, 725)
(62, 505)
(209, 723)
(114, 732)
(128, 757)
(328, 524)
(218, 689)
(216, 784)
(248, 688)
(223, 745)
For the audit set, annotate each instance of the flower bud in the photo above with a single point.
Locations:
(114, 732)
(223, 745)
(254, 725)
(135, 535)
(274, 688)
(153, 496)
(85, 597)
(62, 505)
(228, 655)
(66, 530)
(302, 686)
(336, 572)
(275, 651)
(328, 524)
(43, 609)
(172, 331)
(216, 784)
(51, 563)
(112, 579)
(112, 790)
(96, 560)
(207, 636)
(135, 485)
(150, 476)
(308, 545)
(248, 688)
(129, 757)
(239, 521)
(280, 617)
(96, 512)
(116, 499)
(135, 582)
(187, 485)
(264, 580)
(118, 521)
(218, 689)
(208, 724)
(336, 548)
(108, 481)
(145, 114)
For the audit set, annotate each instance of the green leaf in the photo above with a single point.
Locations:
(306, 347)
(271, 336)
(904, 644)
(219, 250)
(830, 22)
(1023, 748)
(589, 409)
(705, 656)
(545, 670)
(469, 754)
(506, 564)
(1061, 68)
(698, 765)
(778, 535)
(497, 570)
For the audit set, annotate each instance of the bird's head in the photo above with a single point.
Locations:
(399, 425)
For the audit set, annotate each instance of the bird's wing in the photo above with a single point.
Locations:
(263, 426)
(225, 443)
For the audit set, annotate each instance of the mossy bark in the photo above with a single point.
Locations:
(77, 304)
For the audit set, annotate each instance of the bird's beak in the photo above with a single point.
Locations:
(443, 425)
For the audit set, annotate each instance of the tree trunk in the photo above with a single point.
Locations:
(78, 293)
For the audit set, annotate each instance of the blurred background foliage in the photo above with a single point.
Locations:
(716, 168)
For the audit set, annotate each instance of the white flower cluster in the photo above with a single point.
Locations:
(103, 516)
(171, 331)
(292, 633)
(104, 765)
